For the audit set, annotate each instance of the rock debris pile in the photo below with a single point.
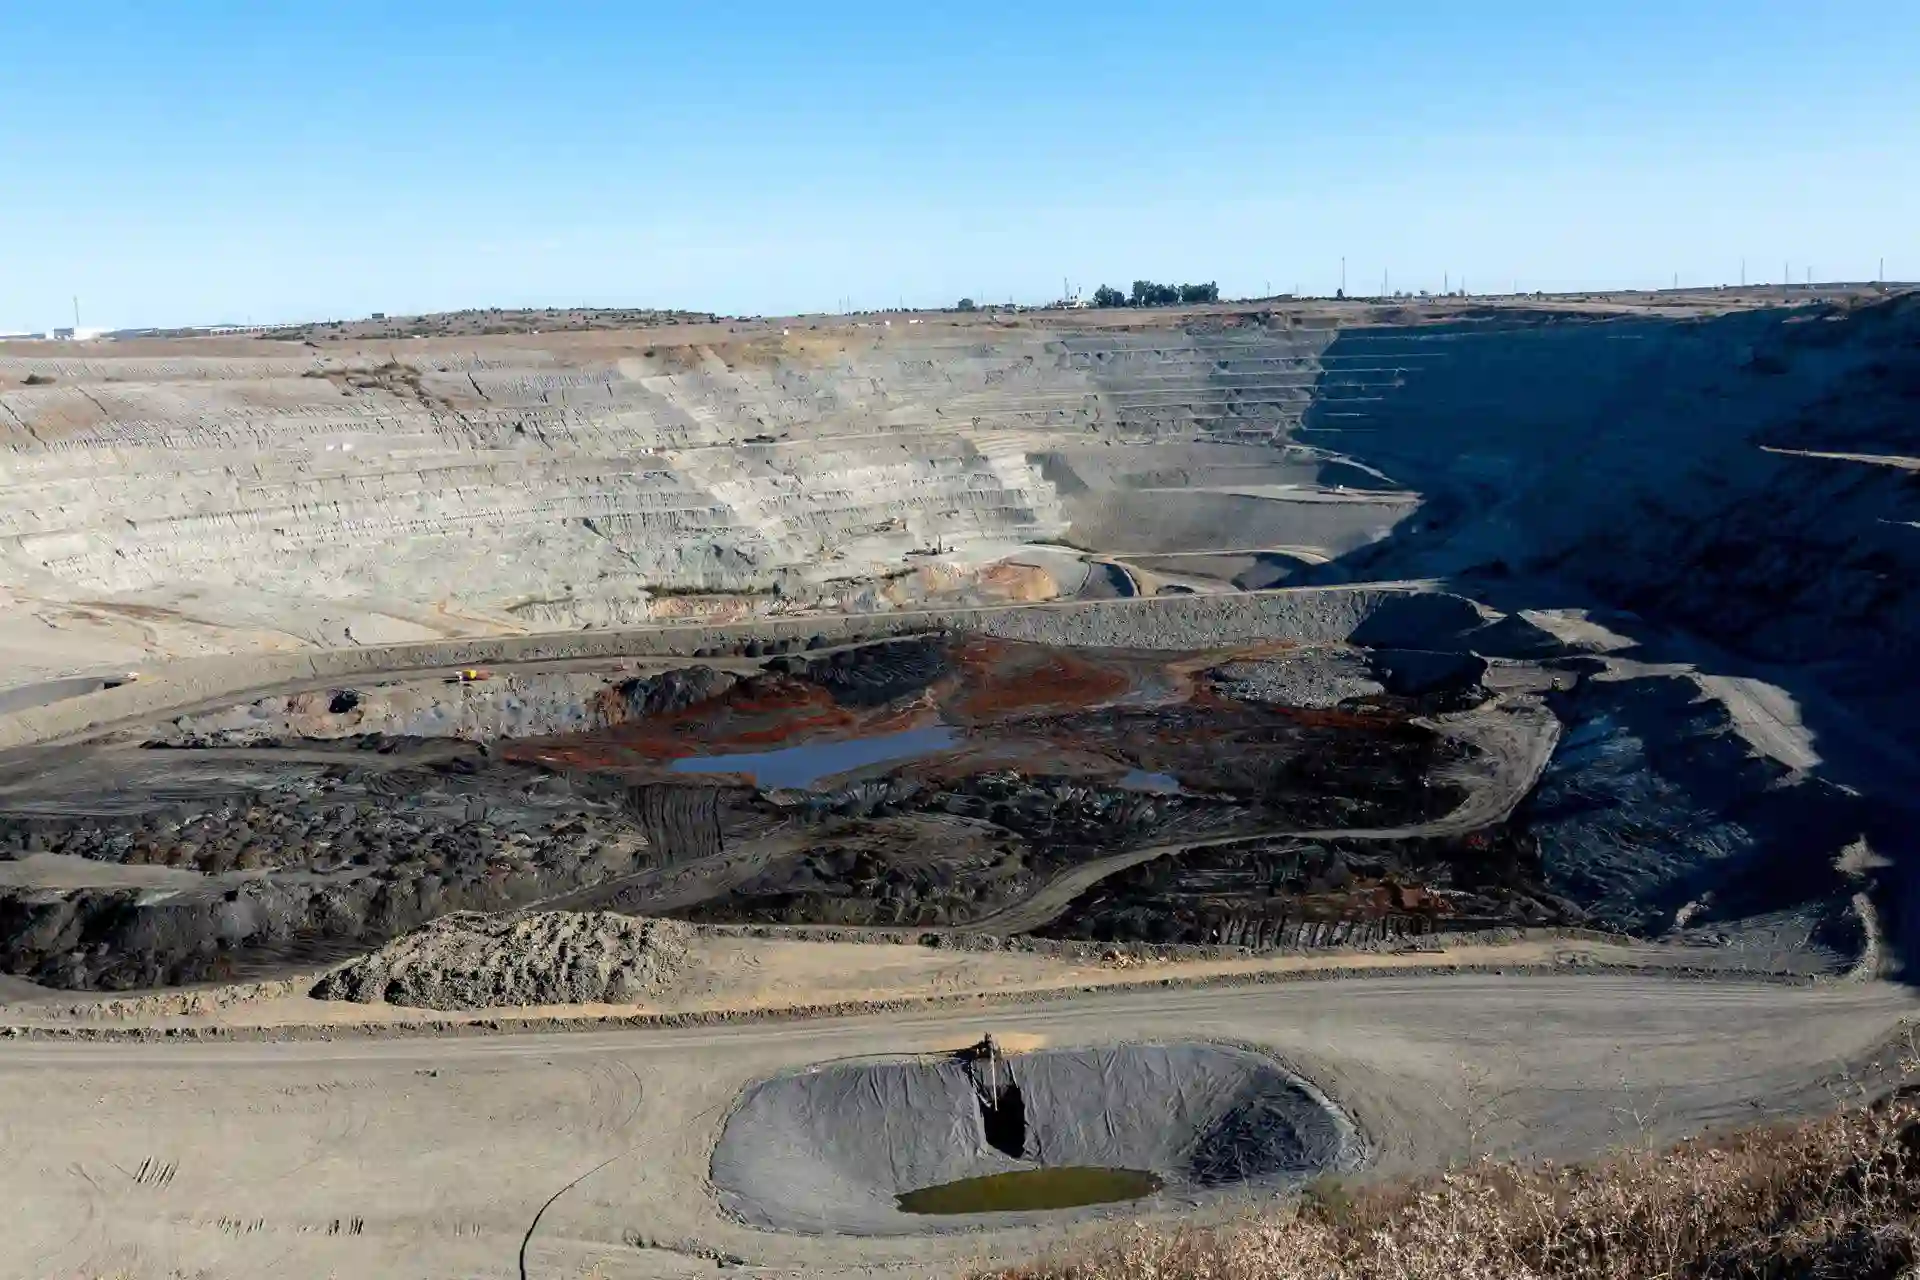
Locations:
(470, 960)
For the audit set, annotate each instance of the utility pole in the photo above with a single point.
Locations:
(1343, 275)
(1383, 282)
(76, 314)
(1446, 284)
(1743, 273)
(1882, 276)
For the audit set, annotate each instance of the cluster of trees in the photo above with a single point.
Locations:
(1145, 294)
(1148, 294)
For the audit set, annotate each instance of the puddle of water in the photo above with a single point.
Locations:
(1141, 780)
(1029, 1189)
(803, 765)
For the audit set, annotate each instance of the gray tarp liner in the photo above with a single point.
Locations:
(829, 1149)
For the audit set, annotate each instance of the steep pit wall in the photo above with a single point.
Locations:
(275, 496)
(1741, 490)
(173, 504)
(1747, 478)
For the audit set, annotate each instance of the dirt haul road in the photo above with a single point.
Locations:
(548, 1155)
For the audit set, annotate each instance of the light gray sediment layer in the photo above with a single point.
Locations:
(828, 1150)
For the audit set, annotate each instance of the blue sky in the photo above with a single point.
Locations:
(199, 162)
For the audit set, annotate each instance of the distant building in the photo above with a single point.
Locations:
(71, 334)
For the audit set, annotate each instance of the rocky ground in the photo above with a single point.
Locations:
(470, 960)
(1260, 797)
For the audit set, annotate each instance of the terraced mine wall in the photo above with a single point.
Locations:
(1720, 473)
(282, 495)
(1748, 478)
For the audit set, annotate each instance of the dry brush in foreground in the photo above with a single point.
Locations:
(1834, 1197)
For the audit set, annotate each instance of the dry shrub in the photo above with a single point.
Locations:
(1835, 1197)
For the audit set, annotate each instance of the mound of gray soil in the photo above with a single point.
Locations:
(470, 960)
(828, 1150)
(1312, 677)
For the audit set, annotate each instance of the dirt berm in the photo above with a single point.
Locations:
(828, 1150)
(471, 960)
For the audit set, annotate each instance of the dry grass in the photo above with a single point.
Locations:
(1835, 1197)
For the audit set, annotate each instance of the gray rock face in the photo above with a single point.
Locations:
(473, 961)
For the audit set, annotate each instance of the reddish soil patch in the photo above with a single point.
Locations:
(767, 711)
(999, 679)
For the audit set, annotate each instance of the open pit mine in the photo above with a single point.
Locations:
(827, 794)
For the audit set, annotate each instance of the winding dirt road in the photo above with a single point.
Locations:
(580, 1154)
(1516, 742)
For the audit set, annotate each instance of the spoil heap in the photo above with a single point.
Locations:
(470, 960)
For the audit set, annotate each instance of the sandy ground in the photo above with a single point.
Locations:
(753, 975)
(586, 1154)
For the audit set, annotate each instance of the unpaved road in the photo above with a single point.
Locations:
(586, 1154)
(1517, 742)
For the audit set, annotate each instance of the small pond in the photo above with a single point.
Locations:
(1028, 1189)
(803, 765)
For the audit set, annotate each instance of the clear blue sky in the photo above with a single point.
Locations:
(196, 162)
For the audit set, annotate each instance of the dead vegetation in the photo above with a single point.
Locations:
(1833, 1197)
